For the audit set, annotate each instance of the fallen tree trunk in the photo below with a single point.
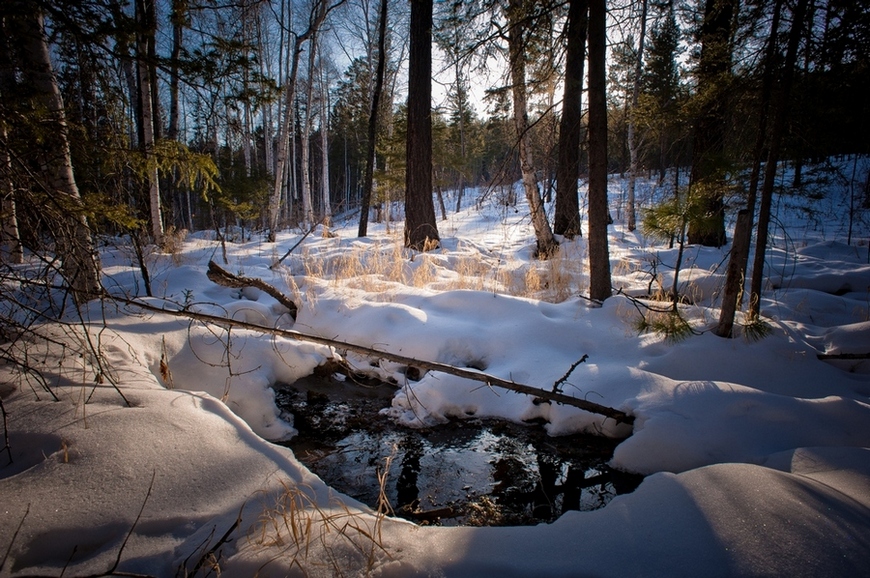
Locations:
(843, 356)
(489, 380)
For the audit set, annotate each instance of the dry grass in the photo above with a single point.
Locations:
(330, 540)
(378, 267)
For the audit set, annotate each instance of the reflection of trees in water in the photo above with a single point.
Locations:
(467, 471)
(546, 494)
(407, 489)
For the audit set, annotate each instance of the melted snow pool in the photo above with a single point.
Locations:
(466, 472)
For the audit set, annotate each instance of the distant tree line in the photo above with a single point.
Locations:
(146, 117)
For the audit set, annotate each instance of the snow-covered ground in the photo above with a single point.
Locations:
(758, 452)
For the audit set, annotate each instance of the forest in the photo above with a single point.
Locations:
(387, 288)
(186, 116)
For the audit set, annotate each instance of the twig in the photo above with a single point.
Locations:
(223, 540)
(564, 378)
(299, 242)
(15, 535)
(133, 527)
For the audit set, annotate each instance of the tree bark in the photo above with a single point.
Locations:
(305, 140)
(11, 251)
(368, 183)
(599, 256)
(735, 276)
(324, 144)
(144, 11)
(776, 137)
(567, 218)
(545, 241)
(421, 231)
(73, 236)
(633, 140)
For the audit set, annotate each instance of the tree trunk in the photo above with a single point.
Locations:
(147, 119)
(11, 251)
(633, 140)
(324, 144)
(305, 140)
(599, 256)
(776, 137)
(735, 276)
(74, 244)
(707, 178)
(546, 242)
(318, 15)
(421, 232)
(368, 183)
(567, 218)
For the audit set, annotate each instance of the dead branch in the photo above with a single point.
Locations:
(226, 279)
(490, 380)
(299, 242)
(564, 378)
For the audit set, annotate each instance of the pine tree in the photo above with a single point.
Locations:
(421, 232)
(599, 255)
(708, 161)
(567, 215)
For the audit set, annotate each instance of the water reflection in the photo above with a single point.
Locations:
(469, 472)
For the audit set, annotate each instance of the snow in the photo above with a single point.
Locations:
(757, 452)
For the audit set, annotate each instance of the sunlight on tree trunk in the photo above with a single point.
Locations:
(421, 232)
(567, 218)
(599, 255)
(73, 236)
(546, 242)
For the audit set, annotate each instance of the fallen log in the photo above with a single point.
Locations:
(474, 375)
(843, 356)
(224, 278)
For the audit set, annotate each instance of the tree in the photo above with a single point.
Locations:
(567, 215)
(735, 276)
(421, 232)
(368, 184)
(11, 250)
(774, 147)
(147, 112)
(317, 15)
(659, 101)
(546, 244)
(599, 256)
(56, 186)
(708, 163)
(633, 139)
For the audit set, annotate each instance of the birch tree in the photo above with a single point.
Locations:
(63, 204)
(317, 14)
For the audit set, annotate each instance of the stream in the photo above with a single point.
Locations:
(470, 472)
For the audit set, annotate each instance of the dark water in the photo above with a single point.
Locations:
(467, 472)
